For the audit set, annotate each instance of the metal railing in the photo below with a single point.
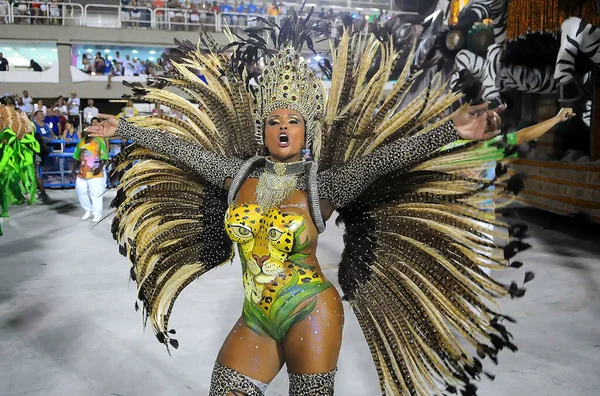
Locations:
(56, 170)
(184, 19)
(31, 12)
(118, 16)
(4, 12)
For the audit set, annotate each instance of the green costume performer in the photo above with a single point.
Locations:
(17, 152)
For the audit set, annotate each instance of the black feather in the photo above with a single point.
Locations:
(516, 264)
(174, 343)
(515, 184)
(529, 276)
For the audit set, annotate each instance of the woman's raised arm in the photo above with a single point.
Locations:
(214, 168)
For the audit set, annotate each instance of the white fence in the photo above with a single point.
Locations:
(117, 16)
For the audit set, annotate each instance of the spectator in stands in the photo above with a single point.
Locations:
(128, 66)
(227, 10)
(125, 12)
(146, 14)
(252, 9)
(35, 66)
(108, 67)
(41, 128)
(129, 110)
(160, 14)
(35, 12)
(116, 70)
(175, 14)
(99, 63)
(54, 10)
(186, 5)
(27, 103)
(4, 10)
(3, 63)
(157, 110)
(18, 102)
(150, 68)
(119, 61)
(90, 111)
(215, 7)
(241, 8)
(73, 104)
(111, 71)
(39, 106)
(91, 155)
(135, 14)
(86, 65)
(195, 17)
(60, 107)
(53, 120)
(138, 67)
(71, 135)
(63, 117)
(225, 7)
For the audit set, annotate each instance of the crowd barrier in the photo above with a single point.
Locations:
(56, 169)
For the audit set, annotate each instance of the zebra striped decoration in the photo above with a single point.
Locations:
(577, 37)
(496, 10)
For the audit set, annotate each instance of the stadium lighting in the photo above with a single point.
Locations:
(152, 52)
(89, 50)
(107, 50)
(151, 58)
(134, 51)
(53, 49)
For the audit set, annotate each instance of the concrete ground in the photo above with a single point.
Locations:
(69, 327)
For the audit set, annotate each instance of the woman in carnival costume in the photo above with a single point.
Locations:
(233, 174)
(17, 151)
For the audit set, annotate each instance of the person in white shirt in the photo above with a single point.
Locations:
(139, 66)
(73, 104)
(27, 103)
(39, 106)
(128, 66)
(120, 62)
(90, 111)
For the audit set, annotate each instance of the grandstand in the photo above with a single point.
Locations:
(92, 46)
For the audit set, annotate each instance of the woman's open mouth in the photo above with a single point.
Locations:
(284, 140)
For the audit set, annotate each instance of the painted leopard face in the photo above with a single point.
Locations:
(265, 239)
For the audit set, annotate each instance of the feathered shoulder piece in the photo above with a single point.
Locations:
(363, 105)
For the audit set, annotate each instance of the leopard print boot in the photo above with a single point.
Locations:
(320, 384)
(226, 381)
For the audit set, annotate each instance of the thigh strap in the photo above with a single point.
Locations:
(320, 384)
(225, 381)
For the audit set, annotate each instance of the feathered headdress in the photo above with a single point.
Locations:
(288, 83)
